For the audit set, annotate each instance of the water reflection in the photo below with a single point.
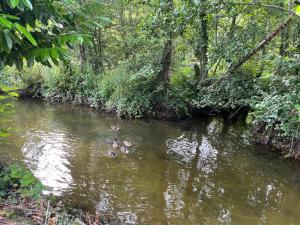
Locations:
(46, 154)
(207, 161)
(194, 172)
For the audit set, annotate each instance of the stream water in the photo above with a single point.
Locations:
(201, 171)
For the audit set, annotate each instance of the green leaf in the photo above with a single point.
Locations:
(19, 64)
(44, 54)
(10, 16)
(297, 10)
(14, 3)
(30, 62)
(54, 53)
(28, 4)
(26, 33)
(4, 22)
(8, 39)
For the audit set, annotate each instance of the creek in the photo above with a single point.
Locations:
(202, 171)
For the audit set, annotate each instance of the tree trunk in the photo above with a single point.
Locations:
(124, 32)
(98, 50)
(285, 35)
(201, 50)
(166, 62)
(263, 43)
(82, 57)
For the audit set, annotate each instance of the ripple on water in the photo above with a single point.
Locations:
(46, 154)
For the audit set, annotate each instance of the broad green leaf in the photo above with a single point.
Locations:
(8, 39)
(19, 64)
(28, 3)
(14, 3)
(44, 54)
(10, 16)
(54, 53)
(13, 94)
(4, 22)
(26, 33)
(30, 62)
(297, 10)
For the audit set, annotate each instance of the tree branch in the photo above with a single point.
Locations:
(262, 5)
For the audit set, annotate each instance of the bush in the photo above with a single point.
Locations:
(229, 94)
(182, 90)
(278, 108)
(33, 76)
(18, 180)
(110, 81)
(131, 95)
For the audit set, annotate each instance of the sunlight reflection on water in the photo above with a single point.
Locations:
(46, 154)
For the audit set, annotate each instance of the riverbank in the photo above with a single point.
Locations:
(287, 147)
(22, 202)
(270, 103)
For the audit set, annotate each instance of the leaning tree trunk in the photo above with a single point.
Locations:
(261, 45)
(201, 50)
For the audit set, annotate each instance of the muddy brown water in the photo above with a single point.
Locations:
(202, 171)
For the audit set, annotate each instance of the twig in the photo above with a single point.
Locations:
(262, 5)
(235, 113)
(46, 220)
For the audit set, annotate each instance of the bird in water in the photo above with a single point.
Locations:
(112, 154)
(127, 144)
(115, 128)
(124, 150)
(115, 144)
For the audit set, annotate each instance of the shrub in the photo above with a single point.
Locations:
(181, 92)
(278, 109)
(133, 95)
(33, 76)
(110, 81)
(229, 94)
(18, 179)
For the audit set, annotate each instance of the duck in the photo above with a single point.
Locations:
(115, 128)
(112, 154)
(124, 150)
(115, 144)
(127, 144)
(109, 141)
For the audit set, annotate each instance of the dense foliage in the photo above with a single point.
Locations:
(18, 180)
(162, 58)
